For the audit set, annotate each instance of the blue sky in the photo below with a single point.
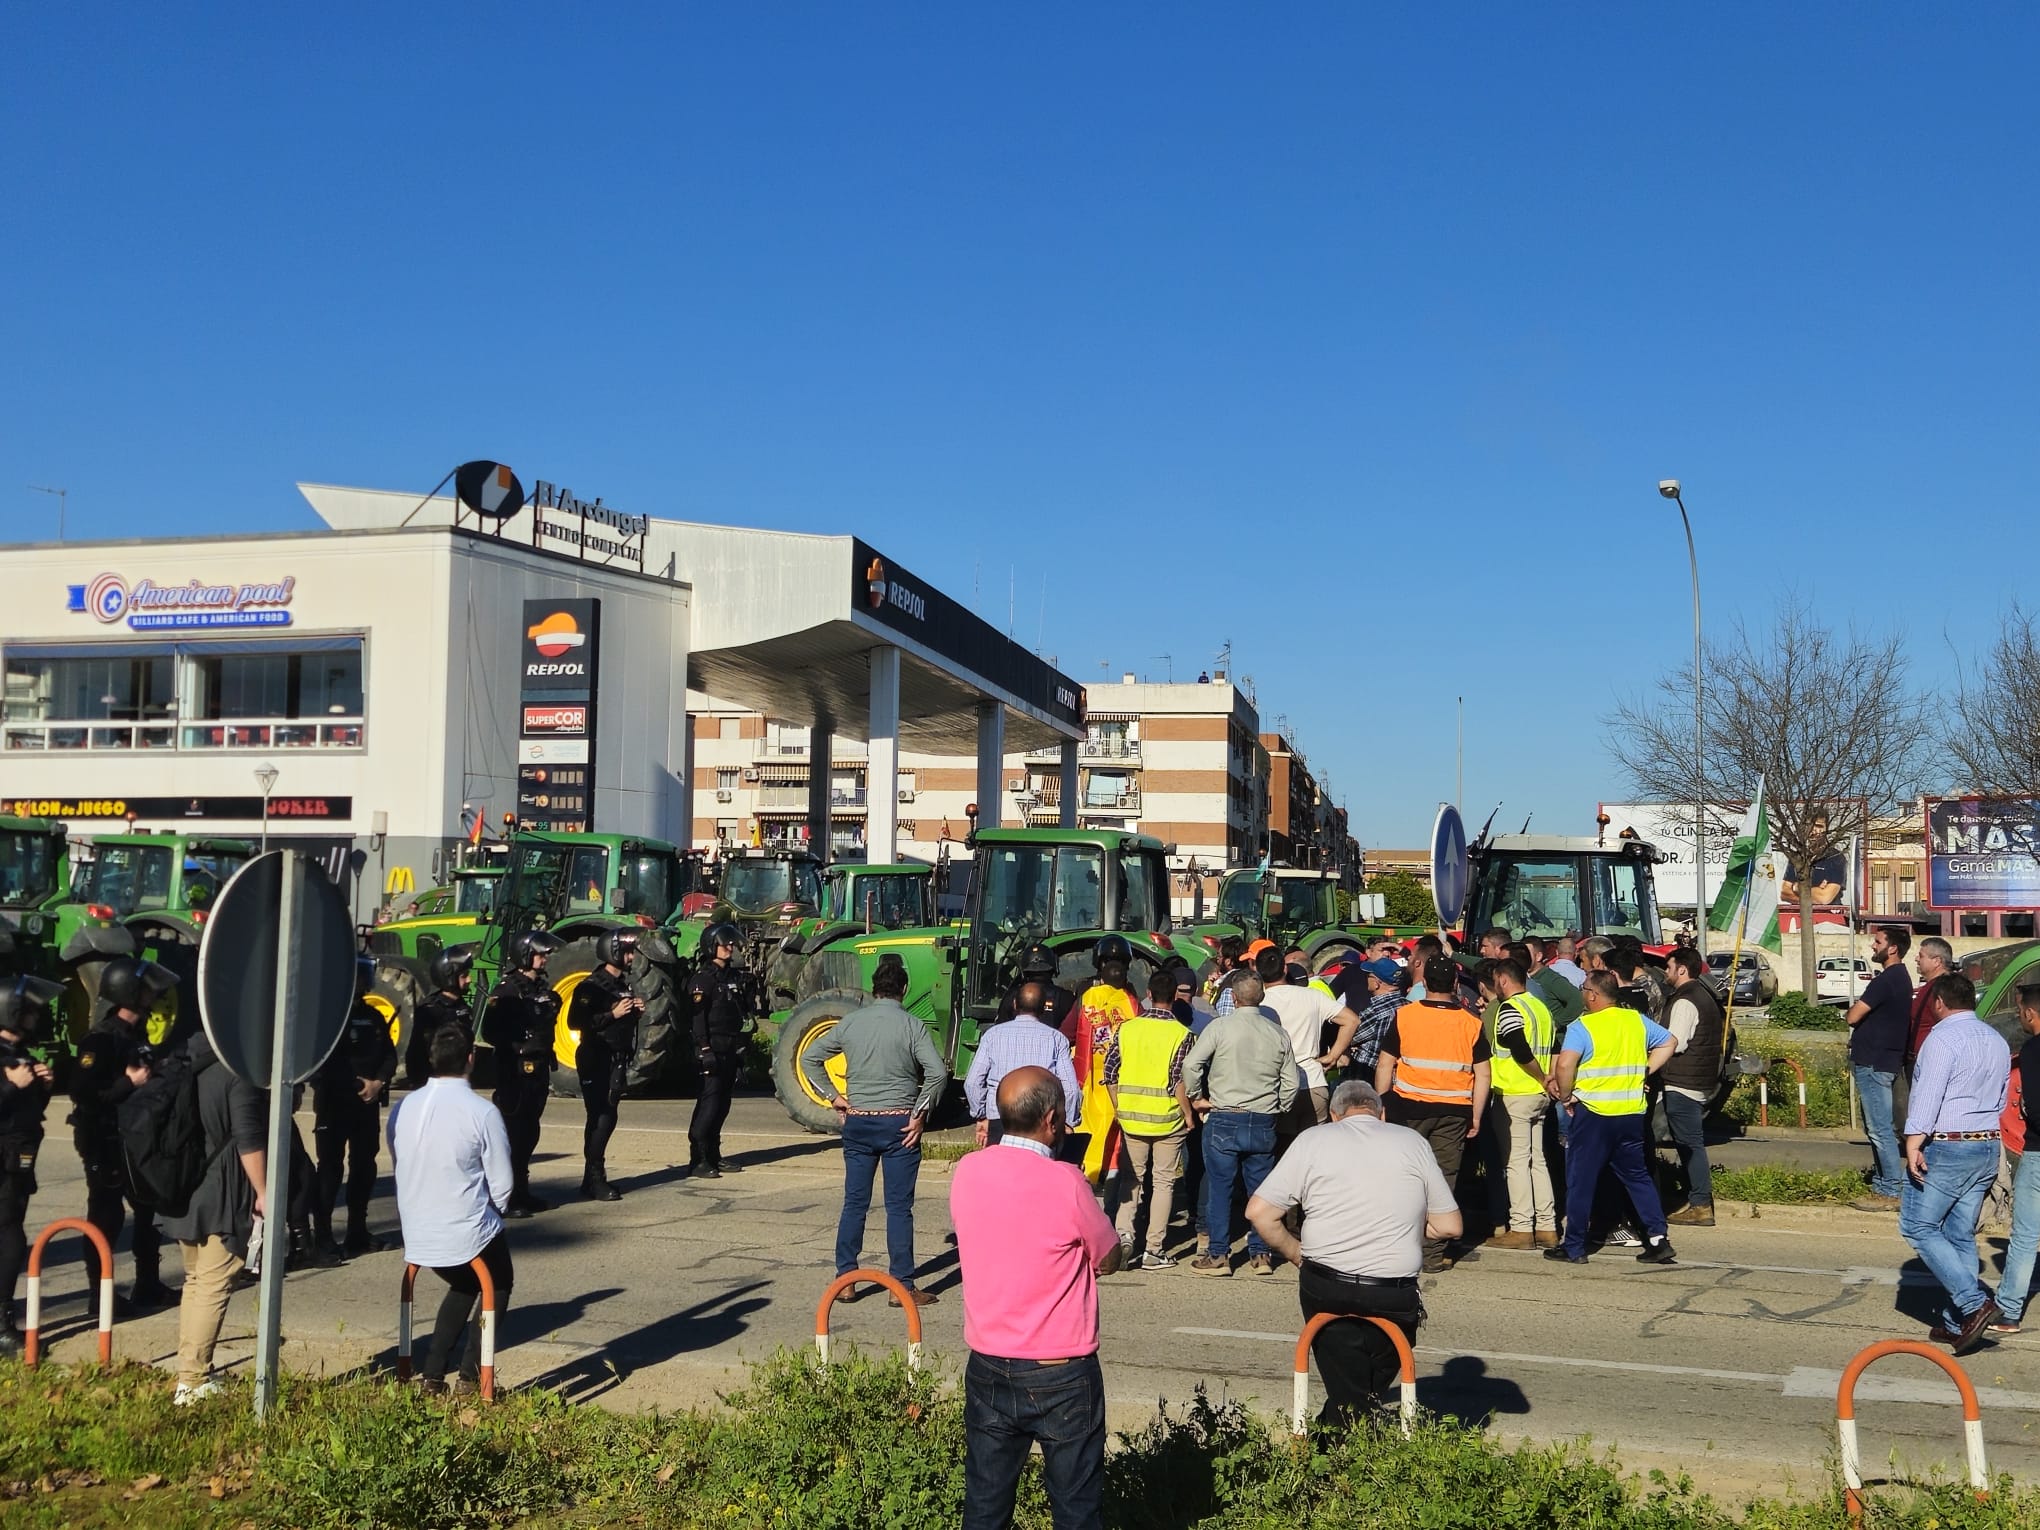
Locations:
(1360, 339)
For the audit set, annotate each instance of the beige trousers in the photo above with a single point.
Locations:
(1165, 1156)
(209, 1271)
(1519, 1135)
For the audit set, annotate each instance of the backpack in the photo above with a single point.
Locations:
(162, 1138)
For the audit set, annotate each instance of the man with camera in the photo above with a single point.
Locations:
(605, 1013)
(25, 1088)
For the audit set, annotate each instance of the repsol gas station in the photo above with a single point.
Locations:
(369, 690)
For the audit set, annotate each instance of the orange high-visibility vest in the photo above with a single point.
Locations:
(1435, 1061)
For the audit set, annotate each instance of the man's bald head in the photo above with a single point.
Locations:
(1030, 1103)
(1030, 998)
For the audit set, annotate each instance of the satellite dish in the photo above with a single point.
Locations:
(489, 489)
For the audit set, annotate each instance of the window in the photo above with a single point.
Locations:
(1528, 896)
(125, 878)
(1144, 893)
(729, 729)
(726, 779)
(195, 695)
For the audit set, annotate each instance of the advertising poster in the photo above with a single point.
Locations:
(1983, 852)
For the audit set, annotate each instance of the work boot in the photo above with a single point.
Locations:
(529, 1202)
(361, 1241)
(305, 1254)
(145, 1295)
(596, 1188)
(325, 1247)
(1694, 1214)
(11, 1342)
(1512, 1239)
(703, 1168)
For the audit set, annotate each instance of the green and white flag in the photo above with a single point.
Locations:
(1749, 892)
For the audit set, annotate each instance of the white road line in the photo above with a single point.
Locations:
(1807, 1381)
(1575, 1362)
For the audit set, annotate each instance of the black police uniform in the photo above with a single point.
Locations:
(602, 1058)
(346, 1128)
(1058, 1007)
(721, 1001)
(21, 1135)
(98, 1085)
(523, 1013)
(433, 1015)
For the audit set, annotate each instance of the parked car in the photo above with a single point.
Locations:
(1841, 979)
(1756, 982)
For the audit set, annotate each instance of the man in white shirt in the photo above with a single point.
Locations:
(451, 1158)
(1303, 1012)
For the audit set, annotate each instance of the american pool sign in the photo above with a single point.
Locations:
(149, 606)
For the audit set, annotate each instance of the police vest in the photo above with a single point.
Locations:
(1436, 1061)
(1510, 1076)
(1147, 1104)
(1610, 1080)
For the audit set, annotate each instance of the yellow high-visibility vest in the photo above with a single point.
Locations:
(1610, 1080)
(1147, 1103)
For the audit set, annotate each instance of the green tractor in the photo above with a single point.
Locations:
(1297, 909)
(451, 914)
(1065, 887)
(40, 934)
(856, 899)
(146, 895)
(773, 896)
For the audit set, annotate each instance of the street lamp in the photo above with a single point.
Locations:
(265, 777)
(1669, 488)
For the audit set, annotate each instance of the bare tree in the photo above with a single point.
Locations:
(1825, 719)
(1993, 732)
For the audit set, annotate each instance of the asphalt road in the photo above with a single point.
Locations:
(1725, 1364)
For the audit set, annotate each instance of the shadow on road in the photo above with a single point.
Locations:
(714, 1321)
(1464, 1390)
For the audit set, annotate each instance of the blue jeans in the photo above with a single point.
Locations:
(1238, 1146)
(2019, 1256)
(1009, 1405)
(1938, 1219)
(868, 1142)
(1688, 1120)
(1888, 1176)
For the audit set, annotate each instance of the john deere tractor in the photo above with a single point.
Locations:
(450, 914)
(856, 899)
(1297, 909)
(1065, 887)
(44, 934)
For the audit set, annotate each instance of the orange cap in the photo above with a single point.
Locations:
(1259, 946)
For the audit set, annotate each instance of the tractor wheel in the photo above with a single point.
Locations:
(565, 970)
(808, 1020)
(657, 978)
(400, 987)
(1323, 953)
(171, 943)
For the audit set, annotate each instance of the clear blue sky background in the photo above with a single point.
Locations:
(1360, 338)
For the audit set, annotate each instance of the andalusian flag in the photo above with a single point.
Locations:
(1749, 892)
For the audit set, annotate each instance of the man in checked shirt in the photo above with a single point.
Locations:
(1025, 1041)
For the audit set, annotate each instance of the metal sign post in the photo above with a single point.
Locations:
(276, 1189)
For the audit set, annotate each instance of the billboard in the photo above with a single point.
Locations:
(1983, 852)
(1668, 826)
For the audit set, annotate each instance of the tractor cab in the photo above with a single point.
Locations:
(137, 873)
(1546, 884)
(877, 897)
(1278, 903)
(557, 879)
(771, 887)
(32, 862)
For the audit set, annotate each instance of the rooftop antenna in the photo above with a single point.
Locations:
(1459, 783)
(1526, 823)
(63, 504)
(1168, 659)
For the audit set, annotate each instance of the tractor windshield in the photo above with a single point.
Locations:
(1042, 889)
(1527, 895)
(206, 872)
(542, 881)
(474, 895)
(890, 902)
(1239, 900)
(1143, 892)
(28, 868)
(1622, 904)
(1305, 900)
(761, 886)
(649, 882)
(125, 878)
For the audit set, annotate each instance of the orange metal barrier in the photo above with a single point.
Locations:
(1764, 1092)
(1845, 1418)
(1299, 1421)
(31, 1335)
(488, 1325)
(876, 1277)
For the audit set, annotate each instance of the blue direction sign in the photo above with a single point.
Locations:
(1448, 865)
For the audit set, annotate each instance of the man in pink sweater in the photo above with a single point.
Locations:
(1032, 1243)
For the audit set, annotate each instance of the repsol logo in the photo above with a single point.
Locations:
(556, 669)
(906, 600)
(1065, 697)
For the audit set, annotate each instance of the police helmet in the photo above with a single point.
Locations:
(616, 947)
(526, 944)
(25, 1004)
(1112, 948)
(723, 934)
(129, 982)
(1038, 962)
(449, 966)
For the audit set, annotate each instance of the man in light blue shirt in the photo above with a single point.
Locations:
(1951, 1154)
(1025, 1041)
(451, 1158)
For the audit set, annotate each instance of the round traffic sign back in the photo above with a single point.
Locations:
(237, 959)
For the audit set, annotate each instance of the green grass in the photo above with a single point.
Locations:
(1791, 1187)
(1827, 1081)
(861, 1443)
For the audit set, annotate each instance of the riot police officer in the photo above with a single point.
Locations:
(25, 1087)
(721, 997)
(113, 1061)
(347, 1096)
(605, 1012)
(1059, 1007)
(450, 973)
(523, 1012)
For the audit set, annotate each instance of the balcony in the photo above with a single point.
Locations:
(1127, 749)
(1126, 801)
(167, 733)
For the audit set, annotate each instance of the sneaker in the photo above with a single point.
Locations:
(1260, 1264)
(1211, 1264)
(1659, 1252)
(1512, 1240)
(2004, 1328)
(1164, 1262)
(1874, 1202)
(1622, 1237)
(1701, 1215)
(188, 1394)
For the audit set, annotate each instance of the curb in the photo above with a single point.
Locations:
(1788, 1214)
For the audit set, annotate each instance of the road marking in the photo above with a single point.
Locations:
(1574, 1361)
(1808, 1381)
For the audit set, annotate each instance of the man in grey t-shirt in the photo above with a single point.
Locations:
(1371, 1194)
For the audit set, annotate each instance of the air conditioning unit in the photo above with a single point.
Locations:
(906, 794)
(750, 772)
(724, 794)
(1017, 784)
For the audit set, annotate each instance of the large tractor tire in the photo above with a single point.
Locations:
(654, 977)
(811, 1018)
(567, 968)
(1325, 950)
(401, 985)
